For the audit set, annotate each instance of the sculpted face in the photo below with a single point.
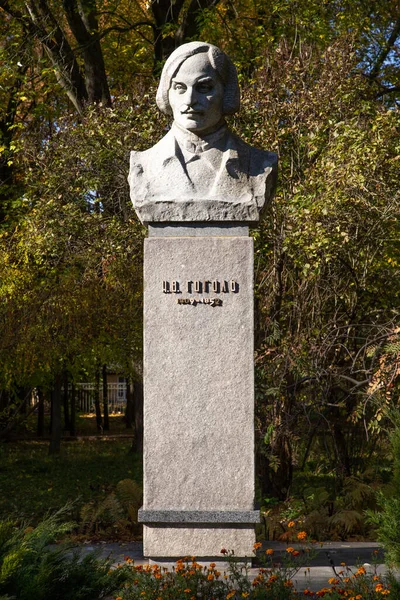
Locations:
(196, 95)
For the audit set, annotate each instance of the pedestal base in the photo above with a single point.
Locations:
(203, 542)
(198, 396)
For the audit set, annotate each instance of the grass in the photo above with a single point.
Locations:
(31, 482)
(85, 425)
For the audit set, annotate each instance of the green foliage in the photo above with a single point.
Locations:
(326, 510)
(326, 262)
(320, 83)
(86, 471)
(116, 514)
(387, 518)
(72, 273)
(30, 569)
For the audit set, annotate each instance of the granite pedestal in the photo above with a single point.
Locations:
(198, 392)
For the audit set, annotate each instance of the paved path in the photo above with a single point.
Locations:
(328, 558)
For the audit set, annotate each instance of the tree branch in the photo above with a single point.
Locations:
(385, 51)
(57, 48)
(125, 29)
(387, 90)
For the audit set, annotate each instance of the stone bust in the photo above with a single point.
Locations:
(200, 171)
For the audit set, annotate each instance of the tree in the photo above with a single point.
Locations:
(71, 273)
(320, 86)
(326, 260)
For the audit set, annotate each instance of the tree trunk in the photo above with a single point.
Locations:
(55, 433)
(166, 14)
(105, 399)
(73, 411)
(343, 466)
(67, 422)
(99, 420)
(275, 483)
(83, 23)
(40, 421)
(137, 444)
(130, 408)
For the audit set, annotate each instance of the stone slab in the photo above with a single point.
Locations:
(198, 516)
(197, 230)
(197, 210)
(177, 542)
(198, 388)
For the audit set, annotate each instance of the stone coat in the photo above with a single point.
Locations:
(230, 181)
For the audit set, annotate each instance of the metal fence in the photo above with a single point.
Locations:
(85, 395)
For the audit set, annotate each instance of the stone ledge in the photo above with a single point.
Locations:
(199, 210)
(198, 229)
(199, 516)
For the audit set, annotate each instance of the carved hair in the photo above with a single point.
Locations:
(218, 60)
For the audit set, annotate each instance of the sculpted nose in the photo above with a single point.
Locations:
(190, 96)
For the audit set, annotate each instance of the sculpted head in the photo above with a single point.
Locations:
(198, 87)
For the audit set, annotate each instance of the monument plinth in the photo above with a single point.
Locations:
(198, 189)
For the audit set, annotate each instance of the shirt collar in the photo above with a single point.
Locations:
(195, 144)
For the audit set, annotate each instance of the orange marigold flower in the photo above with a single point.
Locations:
(290, 550)
(257, 545)
(212, 565)
(187, 591)
(361, 571)
(385, 592)
(224, 551)
(269, 551)
(210, 577)
(333, 581)
(245, 594)
(379, 587)
(302, 535)
(288, 583)
(217, 573)
(230, 595)
(295, 553)
(291, 524)
(323, 592)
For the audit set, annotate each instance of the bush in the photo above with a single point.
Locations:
(32, 570)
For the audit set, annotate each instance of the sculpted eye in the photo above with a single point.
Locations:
(179, 87)
(205, 88)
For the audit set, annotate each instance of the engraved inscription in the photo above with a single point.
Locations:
(195, 301)
(198, 286)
